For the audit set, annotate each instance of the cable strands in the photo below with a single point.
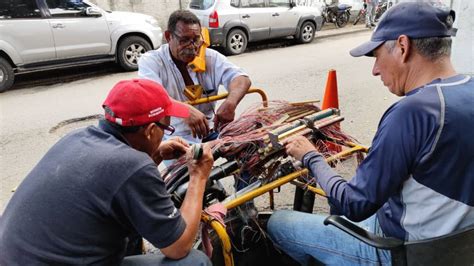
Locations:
(247, 139)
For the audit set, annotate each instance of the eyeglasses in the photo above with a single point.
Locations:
(169, 130)
(183, 41)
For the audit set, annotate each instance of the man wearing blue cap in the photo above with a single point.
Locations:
(417, 181)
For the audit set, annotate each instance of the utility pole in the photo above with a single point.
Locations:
(463, 44)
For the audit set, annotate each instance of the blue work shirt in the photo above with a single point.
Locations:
(419, 173)
(80, 202)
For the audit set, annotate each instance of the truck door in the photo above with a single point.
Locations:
(75, 33)
(24, 33)
(256, 16)
(283, 19)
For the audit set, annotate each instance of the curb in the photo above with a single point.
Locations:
(341, 33)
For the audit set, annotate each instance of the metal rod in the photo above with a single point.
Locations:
(263, 189)
(316, 116)
(225, 94)
(223, 236)
(302, 185)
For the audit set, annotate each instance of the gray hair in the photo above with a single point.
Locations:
(186, 16)
(432, 48)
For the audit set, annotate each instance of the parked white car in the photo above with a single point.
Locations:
(234, 23)
(47, 34)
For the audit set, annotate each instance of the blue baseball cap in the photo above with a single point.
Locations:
(414, 19)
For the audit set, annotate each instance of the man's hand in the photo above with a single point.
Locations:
(226, 112)
(200, 168)
(298, 146)
(197, 122)
(224, 115)
(173, 148)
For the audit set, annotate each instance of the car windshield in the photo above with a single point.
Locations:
(201, 4)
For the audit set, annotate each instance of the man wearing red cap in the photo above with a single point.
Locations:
(98, 185)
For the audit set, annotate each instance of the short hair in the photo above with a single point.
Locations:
(432, 48)
(122, 129)
(186, 16)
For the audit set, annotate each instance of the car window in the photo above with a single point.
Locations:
(10, 9)
(252, 3)
(201, 4)
(67, 8)
(279, 3)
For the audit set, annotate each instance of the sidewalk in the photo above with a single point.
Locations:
(330, 30)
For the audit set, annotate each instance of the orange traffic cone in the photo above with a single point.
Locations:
(330, 99)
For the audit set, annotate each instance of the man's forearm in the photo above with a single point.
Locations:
(345, 198)
(191, 213)
(192, 207)
(237, 89)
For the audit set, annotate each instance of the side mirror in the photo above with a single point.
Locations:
(292, 4)
(93, 12)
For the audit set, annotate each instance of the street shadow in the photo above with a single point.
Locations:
(264, 45)
(65, 75)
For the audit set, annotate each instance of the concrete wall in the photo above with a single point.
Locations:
(160, 9)
(463, 43)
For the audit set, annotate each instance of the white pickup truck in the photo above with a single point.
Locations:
(47, 34)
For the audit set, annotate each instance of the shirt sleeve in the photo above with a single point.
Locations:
(148, 67)
(224, 70)
(380, 176)
(143, 203)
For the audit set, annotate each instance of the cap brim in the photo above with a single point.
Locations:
(178, 109)
(365, 49)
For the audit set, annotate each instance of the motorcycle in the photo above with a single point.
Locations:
(361, 15)
(337, 14)
(380, 9)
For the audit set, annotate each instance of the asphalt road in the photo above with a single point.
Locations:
(43, 107)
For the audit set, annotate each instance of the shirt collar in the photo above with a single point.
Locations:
(108, 128)
(452, 79)
(170, 57)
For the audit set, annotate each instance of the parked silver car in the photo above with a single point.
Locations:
(47, 34)
(234, 23)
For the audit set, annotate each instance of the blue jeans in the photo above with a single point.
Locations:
(303, 235)
(195, 257)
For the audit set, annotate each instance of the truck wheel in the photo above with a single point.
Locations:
(130, 50)
(307, 32)
(236, 42)
(7, 77)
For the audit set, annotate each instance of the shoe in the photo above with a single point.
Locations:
(368, 26)
(372, 24)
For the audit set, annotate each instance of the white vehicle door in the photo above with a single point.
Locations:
(256, 16)
(24, 33)
(283, 19)
(75, 33)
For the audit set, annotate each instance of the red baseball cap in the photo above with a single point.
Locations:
(139, 102)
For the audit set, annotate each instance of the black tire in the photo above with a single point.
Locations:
(7, 77)
(130, 49)
(342, 19)
(307, 32)
(236, 42)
